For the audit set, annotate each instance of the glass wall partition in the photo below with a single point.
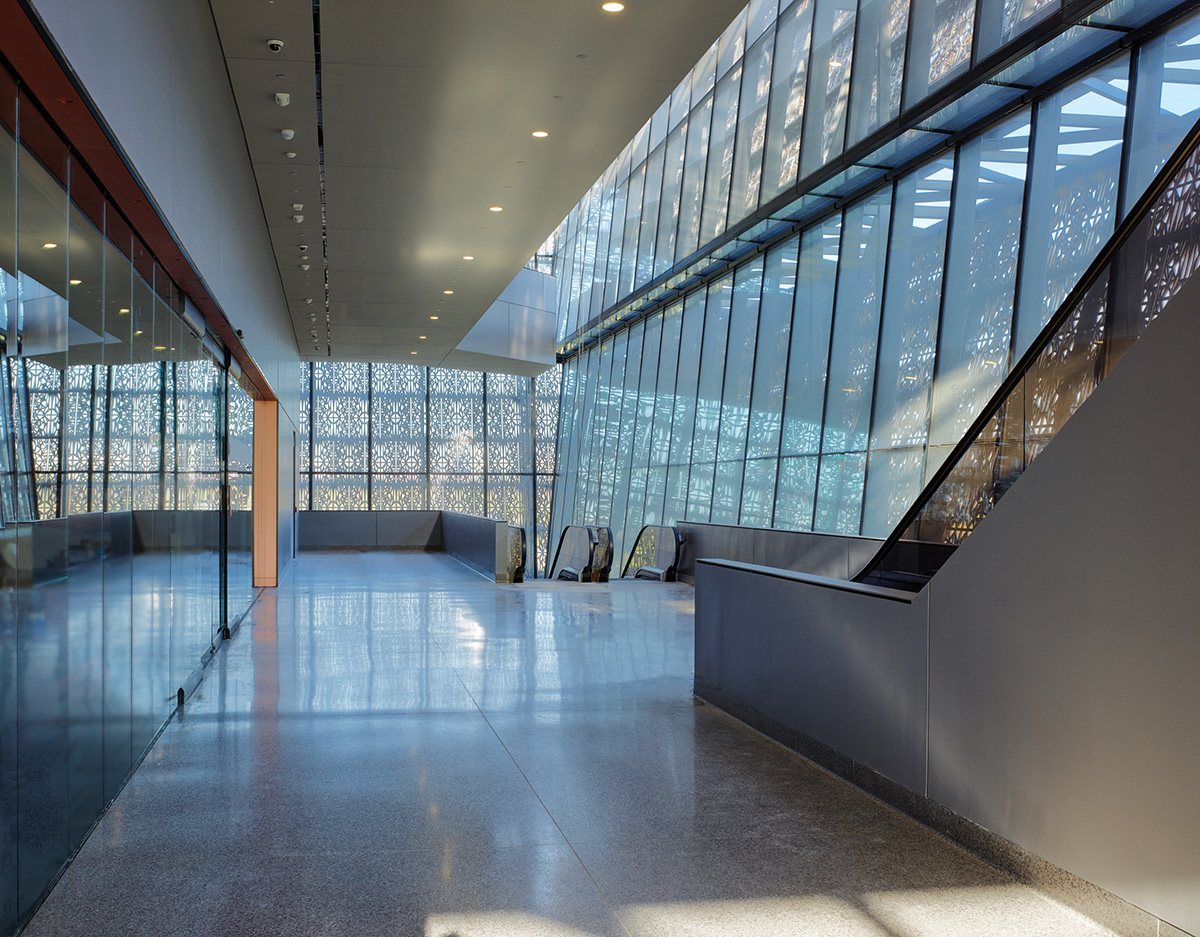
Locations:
(112, 475)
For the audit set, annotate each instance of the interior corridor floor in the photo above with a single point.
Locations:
(396, 746)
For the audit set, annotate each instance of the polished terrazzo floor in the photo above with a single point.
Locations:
(396, 746)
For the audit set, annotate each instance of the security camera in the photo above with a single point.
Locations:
(239, 333)
(275, 45)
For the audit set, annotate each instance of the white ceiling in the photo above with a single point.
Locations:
(428, 109)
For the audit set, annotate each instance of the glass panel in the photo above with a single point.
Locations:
(908, 340)
(941, 35)
(720, 156)
(712, 371)
(981, 275)
(796, 493)
(739, 365)
(752, 127)
(852, 362)
(828, 86)
(687, 382)
(770, 365)
(1166, 103)
(673, 164)
(786, 117)
(397, 419)
(1073, 191)
(649, 222)
(690, 199)
(808, 358)
(878, 65)
(1001, 21)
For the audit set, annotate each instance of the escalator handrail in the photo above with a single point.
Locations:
(645, 527)
(1017, 374)
(592, 541)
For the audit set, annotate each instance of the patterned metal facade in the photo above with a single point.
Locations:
(390, 437)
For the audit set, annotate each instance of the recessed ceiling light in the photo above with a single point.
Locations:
(433, 317)
(123, 312)
(412, 352)
(493, 208)
(138, 332)
(612, 7)
(541, 133)
(75, 282)
(467, 257)
(160, 347)
(448, 292)
(49, 245)
(422, 337)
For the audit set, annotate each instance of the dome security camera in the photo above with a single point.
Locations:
(275, 45)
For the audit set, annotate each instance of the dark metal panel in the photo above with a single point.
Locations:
(419, 530)
(833, 555)
(847, 668)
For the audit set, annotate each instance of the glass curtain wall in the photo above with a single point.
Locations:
(788, 89)
(397, 437)
(112, 486)
(818, 385)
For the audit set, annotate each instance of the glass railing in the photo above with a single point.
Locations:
(1152, 254)
(655, 554)
(584, 554)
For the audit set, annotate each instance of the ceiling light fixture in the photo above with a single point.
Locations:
(49, 246)
(433, 317)
(540, 133)
(495, 208)
(282, 98)
(422, 337)
(290, 155)
(138, 332)
(468, 257)
(612, 7)
(160, 347)
(123, 312)
(288, 133)
(448, 292)
(75, 282)
(412, 352)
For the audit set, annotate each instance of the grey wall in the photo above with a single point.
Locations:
(171, 108)
(370, 530)
(801, 551)
(1062, 646)
(1064, 643)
